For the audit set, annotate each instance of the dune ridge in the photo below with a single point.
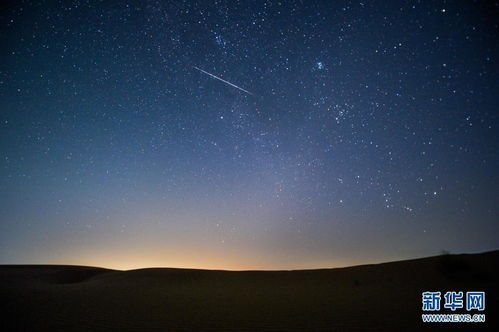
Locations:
(373, 297)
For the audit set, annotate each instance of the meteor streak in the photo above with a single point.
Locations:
(220, 79)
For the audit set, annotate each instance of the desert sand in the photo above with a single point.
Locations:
(380, 297)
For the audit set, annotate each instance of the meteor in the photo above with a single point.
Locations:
(220, 79)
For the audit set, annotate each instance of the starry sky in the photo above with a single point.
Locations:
(247, 134)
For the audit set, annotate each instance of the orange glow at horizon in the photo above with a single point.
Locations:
(214, 260)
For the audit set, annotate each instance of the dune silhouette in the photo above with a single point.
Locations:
(368, 297)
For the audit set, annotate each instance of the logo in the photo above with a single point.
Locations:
(472, 301)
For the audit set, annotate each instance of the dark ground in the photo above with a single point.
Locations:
(367, 298)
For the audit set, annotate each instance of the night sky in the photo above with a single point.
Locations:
(344, 133)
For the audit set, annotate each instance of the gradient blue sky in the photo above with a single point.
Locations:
(371, 134)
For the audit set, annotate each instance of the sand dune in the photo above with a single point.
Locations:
(367, 298)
